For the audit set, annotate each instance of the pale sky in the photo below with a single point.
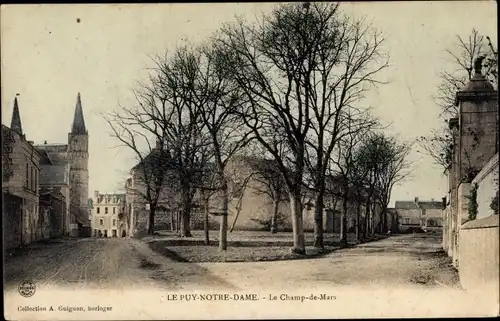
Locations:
(48, 57)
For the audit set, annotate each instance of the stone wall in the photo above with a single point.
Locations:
(479, 251)
(487, 181)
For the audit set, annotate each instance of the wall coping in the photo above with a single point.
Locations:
(485, 222)
(491, 165)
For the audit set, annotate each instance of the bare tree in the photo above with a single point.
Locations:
(391, 167)
(291, 65)
(163, 112)
(344, 162)
(348, 60)
(439, 143)
(153, 160)
(272, 83)
(215, 99)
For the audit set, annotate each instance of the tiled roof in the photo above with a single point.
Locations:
(405, 205)
(58, 158)
(431, 205)
(45, 158)
(53, 148)
(53, 175)
(154, 157)
(411, 205)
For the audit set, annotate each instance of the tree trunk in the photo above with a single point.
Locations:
(186, 213)
(358, 216)
(367, 219)
(223, 223)
(318, 220)
(334, 212)
(372, 218)
(274, 217)
(383, 220)
(186, 220)
(299, 246)
(151, 220)
(343, 223)
(172, 221)
(205, 221)
(177, 223)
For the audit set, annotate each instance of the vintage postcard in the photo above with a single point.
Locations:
(250, 160)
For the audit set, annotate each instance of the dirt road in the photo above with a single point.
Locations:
(414, 260)
(406, 275)
(101, 264)
(405, 260)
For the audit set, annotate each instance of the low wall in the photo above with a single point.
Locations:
(478, 254)
(487, 181)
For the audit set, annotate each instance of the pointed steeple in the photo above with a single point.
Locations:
(15, 124)
(78, 122)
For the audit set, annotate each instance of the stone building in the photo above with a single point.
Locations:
(426, 215)
(255, 203)
(136, 187)
(20, 185)
(470, 236)
(75, 155)
(107, 213)
(53, 207)
(250, 207)
(55, 185)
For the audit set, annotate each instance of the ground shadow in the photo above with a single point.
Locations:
(196, 251)
(176, 276)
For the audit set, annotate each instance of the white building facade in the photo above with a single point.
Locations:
(107, 215)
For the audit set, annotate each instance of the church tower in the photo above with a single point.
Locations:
(78, 158)
(15, 124)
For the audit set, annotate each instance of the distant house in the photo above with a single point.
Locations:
(423, 214)
(106, 215)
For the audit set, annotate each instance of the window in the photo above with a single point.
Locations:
(114, 222)
(101, 221)
(32, 180)
(26, 182)
(36, 181)
(98, 210)
(406, 220)
(105, 210)
(114, 210)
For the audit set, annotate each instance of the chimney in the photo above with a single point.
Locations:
(31, 142)
(45, 142)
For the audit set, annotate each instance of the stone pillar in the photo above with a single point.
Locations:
(475, 142)
(478, 128)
